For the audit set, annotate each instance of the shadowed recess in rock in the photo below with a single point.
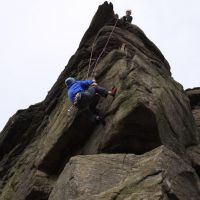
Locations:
(138, 133)
(197, 169)
(37, 195)
(194, 96)
(172, 196)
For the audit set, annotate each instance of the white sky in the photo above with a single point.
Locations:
(37, 38)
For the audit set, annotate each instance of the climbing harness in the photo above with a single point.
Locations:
(90, 60)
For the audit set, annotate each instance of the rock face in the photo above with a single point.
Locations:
(159, 174)
(194, 96)
(194, 151)
(148, 148)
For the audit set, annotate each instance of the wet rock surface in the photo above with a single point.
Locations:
(148, 148)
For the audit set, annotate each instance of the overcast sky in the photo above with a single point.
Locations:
(37, 38)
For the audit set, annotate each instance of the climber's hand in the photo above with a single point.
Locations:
(94, 84)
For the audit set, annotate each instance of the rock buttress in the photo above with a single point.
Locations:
(159, 174)
(150, 109)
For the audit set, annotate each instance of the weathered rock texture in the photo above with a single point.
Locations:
(194, 96)
(146, 150)
(194, 151)
(127, 176)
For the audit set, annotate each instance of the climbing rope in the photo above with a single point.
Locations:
(91, 54)
(73, 108)
(94, 69)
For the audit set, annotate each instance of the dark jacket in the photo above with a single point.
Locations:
(127, 19)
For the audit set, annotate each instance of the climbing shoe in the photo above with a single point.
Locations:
(113, 91)
(100, 119)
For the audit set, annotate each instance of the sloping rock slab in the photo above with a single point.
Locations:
(159, 174)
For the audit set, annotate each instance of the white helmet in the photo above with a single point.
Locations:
(69, 81)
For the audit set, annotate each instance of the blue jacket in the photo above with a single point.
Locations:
(77, 86)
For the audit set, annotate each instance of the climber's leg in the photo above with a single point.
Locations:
(102, 91)
(90, 115)
(98, 90)
(84, 100)
(83, 104)
(87, 103)
(93, 116)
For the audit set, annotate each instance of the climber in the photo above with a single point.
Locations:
(127, 18)
(81, 94)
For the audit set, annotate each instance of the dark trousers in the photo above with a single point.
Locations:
(87, 101)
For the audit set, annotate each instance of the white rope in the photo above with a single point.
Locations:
(91, 54)
(72, 107)
(94, 69)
